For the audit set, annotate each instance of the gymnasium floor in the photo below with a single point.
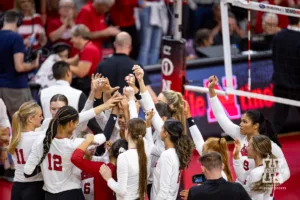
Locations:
(291, 149)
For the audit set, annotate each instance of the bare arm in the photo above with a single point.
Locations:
(82, 69)
(20, 66)
(55, 35)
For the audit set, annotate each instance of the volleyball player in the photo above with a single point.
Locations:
(252, 123)
(92, 167)
(24, 122)
(132, 165)
(51, 154)
(259, 183)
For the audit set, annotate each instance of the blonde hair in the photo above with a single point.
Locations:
(262, 146)
(220, 145)
(19, 121)
(176, 99)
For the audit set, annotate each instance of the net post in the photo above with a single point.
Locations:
(226, 44)
(178, 19)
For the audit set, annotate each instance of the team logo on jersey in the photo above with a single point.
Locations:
(272, 170)
(244, 151)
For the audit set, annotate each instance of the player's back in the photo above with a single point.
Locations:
(59, 172)
(21, 155)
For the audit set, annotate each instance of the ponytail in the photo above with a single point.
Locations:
(137, 130)
(50, 134)
(142, 167)
(184, 147)
(19, 121)
(269, 131)
(16, 133)
(64, 115)
(225, 158)
(265, 126)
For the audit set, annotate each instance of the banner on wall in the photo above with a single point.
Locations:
(234, 106)
(173, 66)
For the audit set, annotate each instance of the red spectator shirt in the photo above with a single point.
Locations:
(122, 13)
(91, 53)
(53, 25)
(95, 22)
(101, 190)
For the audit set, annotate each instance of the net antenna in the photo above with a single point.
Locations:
(249, 5)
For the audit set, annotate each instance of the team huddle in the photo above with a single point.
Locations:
(135, 158)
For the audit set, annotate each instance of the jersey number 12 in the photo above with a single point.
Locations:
(55, 161)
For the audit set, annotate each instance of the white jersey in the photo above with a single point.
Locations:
(58, 171)
(87, 185)
(233, 130)
(166, 176)
(254, 176)
(4, 121)
(21, 155)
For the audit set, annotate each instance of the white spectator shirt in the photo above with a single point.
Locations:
(58, 171)
(60, 87)
(233, 131)
(21, 155)
(4, 121)
(166, 176)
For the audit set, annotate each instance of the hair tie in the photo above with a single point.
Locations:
(220, 140)
(140, 136)
(121, 150)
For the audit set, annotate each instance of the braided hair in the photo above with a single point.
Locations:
(64, 115)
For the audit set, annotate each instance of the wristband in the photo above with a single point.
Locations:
(4, 148)
(191, 121)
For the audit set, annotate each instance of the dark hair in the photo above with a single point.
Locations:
(117, 145)
(182, 142)
(294, 20)
(60, 47)
(211, 160)
(60, 69)
(163, 110)
(137, 130)
(63, 116)
(12, 16)
(59, 97)
(201, 36)
(265, 126)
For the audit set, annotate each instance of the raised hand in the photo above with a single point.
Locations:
(105, 172)
(213, 81)
(138, 72)
(129, 93)
(106, 87)
(237, 149)
(187, 110)
(113, 101)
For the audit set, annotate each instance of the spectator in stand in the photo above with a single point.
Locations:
(32, 28)
(283, 20)
(92, 15)
(203, 38)
(49, 9)
(59, 29)
(286, 63)
(213, 21)
(85, 63)
(44, 76)
(154, 22)
(270, 24)
(6, 5)
(14, 89)
(117, 67)
(122, 15)
(235, 32)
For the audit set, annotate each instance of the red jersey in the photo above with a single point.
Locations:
(92, 54)
(122, 13)
(91, 167)
(95, 22)
(53, 25)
